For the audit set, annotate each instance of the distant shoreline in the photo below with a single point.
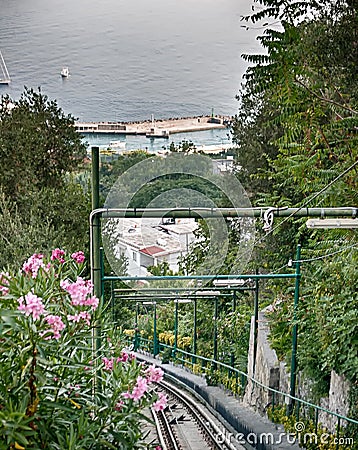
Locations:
(158, 127)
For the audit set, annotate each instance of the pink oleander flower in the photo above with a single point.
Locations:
(93, 302)
(139, 389)
(74, 388)
(161, 403)
(33, 264)
(58, 254)
(119, 405)
(79, 290)
(4, 282)
(154, 374)
(123, 358)
(108, 363)
(31, 304)
(56, 325)
(83, 315)
(79, 257)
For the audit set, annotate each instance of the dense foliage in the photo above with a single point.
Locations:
(42, 205)
(56, 389)
(296, 131)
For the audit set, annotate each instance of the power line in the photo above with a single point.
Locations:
(277, 270)
(312, 198)
(323, 256)
(304, 206)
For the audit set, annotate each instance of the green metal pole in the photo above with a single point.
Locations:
(112, 300)
(95, 244)
(95, 255)
(194, 331)
(155, 343)
(232, 363)
(96, 276)
(256, 323)
(269, 276)
(175, 329)
(101, 257)
(216, 314)
(136, 327)
(202, 213)
(295, 332)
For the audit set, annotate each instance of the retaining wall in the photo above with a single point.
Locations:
(275, 374)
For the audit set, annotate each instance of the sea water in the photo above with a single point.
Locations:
(129, 60)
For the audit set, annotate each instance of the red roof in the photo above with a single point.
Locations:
(151, 250)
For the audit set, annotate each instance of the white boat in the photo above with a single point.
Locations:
(4, 74)
(118, 145)
(157, 133)
(65, 72)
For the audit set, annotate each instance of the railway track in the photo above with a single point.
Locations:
(185, 424)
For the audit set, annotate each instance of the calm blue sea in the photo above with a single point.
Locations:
(128, 59)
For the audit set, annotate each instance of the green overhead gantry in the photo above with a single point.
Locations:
(266, 213)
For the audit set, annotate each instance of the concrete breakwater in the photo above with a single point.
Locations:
(156, 128)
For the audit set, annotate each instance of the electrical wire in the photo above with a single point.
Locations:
(324, 256)
(312, 198)
(277, 270)
(258, 241)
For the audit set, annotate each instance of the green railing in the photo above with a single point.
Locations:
(217, 372)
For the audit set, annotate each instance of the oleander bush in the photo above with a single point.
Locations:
(58, 389)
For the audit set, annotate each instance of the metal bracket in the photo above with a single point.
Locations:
(268, 219)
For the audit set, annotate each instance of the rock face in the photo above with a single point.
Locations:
(269, 371)
(337, 401)
(265, 369)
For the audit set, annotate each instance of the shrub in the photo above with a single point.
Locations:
(56, 390)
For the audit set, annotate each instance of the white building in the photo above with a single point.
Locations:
(149, 242)
(224, 165)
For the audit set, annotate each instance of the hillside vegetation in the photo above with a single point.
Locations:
(296, 131)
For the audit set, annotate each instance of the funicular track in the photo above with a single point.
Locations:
(185, 424)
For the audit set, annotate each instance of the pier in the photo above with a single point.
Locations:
(156, 129)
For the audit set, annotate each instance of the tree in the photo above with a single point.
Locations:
(38, 144)
(297, 135)
(110, 172)
(42, 207)
(297, 123)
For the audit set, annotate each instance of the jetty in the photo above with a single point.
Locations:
(160, 128)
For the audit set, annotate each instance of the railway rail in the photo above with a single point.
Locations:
(185, 424)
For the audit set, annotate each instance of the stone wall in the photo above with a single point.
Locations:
(268, 370)
(337, 401)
